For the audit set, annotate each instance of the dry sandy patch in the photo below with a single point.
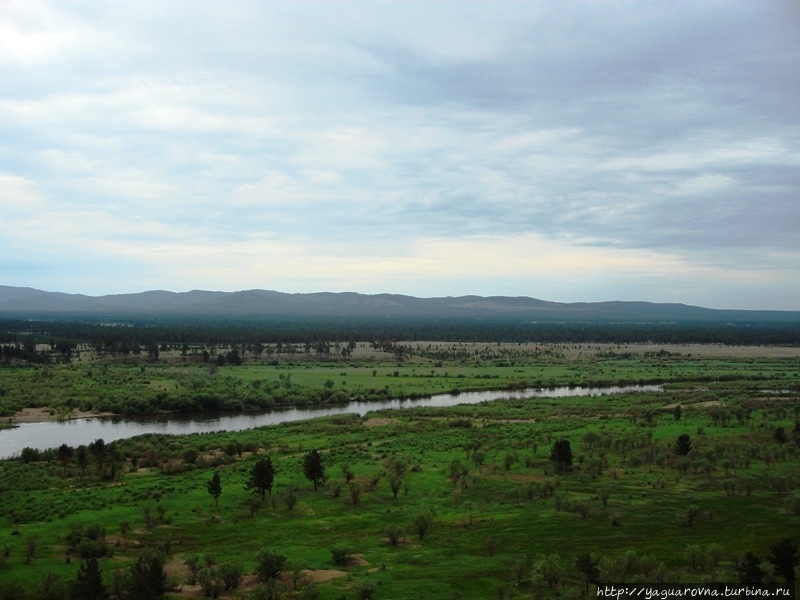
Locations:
(322, 575)
(380, 422)
(41, 415)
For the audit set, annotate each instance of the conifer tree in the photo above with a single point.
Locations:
(261, 477)
(214, 487)
(89, 582)
(313, 468)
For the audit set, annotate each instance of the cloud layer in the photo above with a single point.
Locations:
(568, 151)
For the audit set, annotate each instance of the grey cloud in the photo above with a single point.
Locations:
(670, 127)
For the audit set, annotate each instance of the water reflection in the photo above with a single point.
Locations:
(84, 431)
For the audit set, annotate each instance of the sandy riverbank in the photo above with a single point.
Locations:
(43, 415)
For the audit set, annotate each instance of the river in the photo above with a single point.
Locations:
(75, 432)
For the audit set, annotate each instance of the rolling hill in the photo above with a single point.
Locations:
(19, 301)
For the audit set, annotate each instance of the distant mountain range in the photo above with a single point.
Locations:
(17, 301)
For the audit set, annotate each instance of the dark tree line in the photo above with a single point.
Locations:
(143, 334)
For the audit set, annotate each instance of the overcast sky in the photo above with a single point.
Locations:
(569, 151)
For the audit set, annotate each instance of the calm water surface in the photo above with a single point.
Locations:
(84, 431)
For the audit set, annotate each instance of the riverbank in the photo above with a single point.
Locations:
(52, 433)
(47, 415)
(425, 481)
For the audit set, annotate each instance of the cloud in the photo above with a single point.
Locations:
(18, 195)
(411, 145)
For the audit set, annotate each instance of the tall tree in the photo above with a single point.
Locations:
(589, 568)
(148, 581)
(313, 468)
(98, 450)
(261, 477)
(683, 445)
(561, 456)
(784, 558)
(64, 455)
(750, 572)
(214, 487)
(89, 582)
(82, 458)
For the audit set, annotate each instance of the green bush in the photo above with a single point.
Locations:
(341, 555)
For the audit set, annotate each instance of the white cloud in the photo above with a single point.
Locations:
(18, 196)
(409, 145)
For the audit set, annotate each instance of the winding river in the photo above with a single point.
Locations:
(83, 431)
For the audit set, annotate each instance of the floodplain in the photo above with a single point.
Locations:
(473, 501)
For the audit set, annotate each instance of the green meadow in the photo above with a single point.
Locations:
(184, 382)
(472, 501)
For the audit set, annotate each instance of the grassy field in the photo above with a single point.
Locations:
(504, 522)
(186, 384)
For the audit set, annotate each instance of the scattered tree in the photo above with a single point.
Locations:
(604, 494)
(750, 572)
(261, 477)
(148, 581)
(30, 548)
(209, 582)
(313, 468)
(458, 472)
(269, 564)
(64, 455)
(780, 435)
(295, 571)
(52, 587)
(214, 487)
(89, 582)
(687, 517)
(355, 494)
(395, 484)
(520, 566)
(231, 575)
(547, 568)
(683, 445)
(509, 460)
(478, 457)
(561, 456)
(783, 557)
(589, 569)
(422, 522)
(82, 458)
(99, 449)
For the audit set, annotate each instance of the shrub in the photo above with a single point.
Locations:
(687, 517)
(208, 580)
(791, 504)
(365, 591)
(341, 555)
(309, 592)
(581, 508)
(422, 522)
(269, 564)
(355, 494)
(395, 534)
(231, 575)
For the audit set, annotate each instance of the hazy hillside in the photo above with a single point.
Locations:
(26, 301)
